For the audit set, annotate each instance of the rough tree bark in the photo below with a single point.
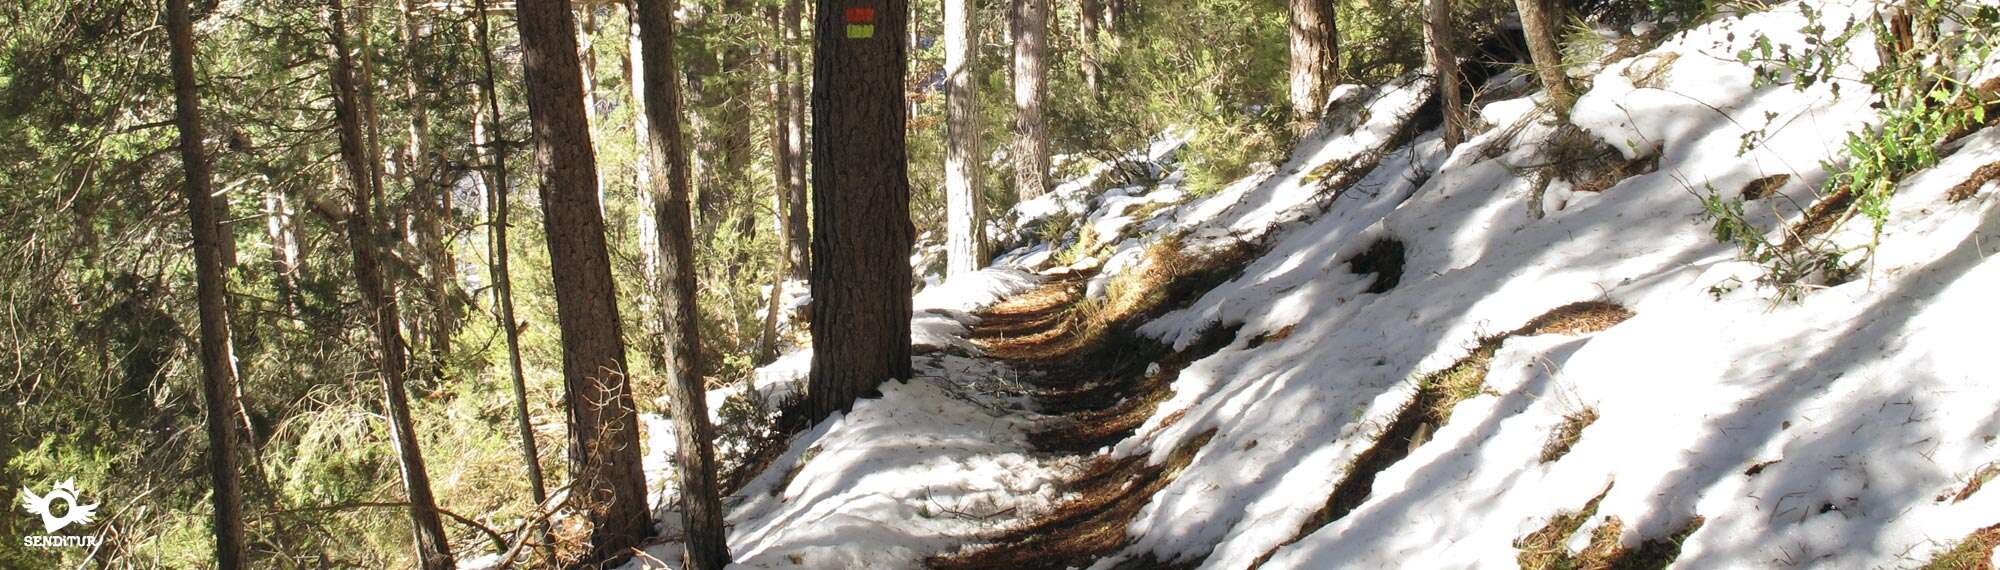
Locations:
(503, 282)
(799, 238)
(701, 509)
(861, 198)
(965, 247)
(1031, 135)
(218, 361)
(1441, 54)
(1315, 61)
(603, 420)
(1538, 22)
(1087, 22)
(432, 546)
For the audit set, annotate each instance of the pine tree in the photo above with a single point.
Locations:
(965, 216)
(603, 419)
(218, 360)
(861, 201)
(433, 548)
(706, 547)
(498, 223)
(1315, 49)
(1441, 55)
(1031, 134)
(799, 239)
(1538, 22)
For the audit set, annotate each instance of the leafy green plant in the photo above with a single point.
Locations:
(1790, 270)
(1928, 49)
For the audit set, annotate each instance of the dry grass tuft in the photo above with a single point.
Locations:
(1575, 319)
(1547, 548)
(1566, 434)
(1975, 552)
(1589, 165)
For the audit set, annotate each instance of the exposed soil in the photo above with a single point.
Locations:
(1100, 381)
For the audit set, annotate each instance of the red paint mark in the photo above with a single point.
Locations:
(862, 15)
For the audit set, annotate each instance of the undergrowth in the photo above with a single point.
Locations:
(1929, 51)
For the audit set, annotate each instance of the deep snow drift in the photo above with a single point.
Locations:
(1833, 431)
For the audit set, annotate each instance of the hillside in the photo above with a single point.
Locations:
(1529, 349)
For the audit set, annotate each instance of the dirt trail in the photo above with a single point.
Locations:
(1099, 381)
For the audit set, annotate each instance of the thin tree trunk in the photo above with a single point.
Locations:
(1031, 135)
(1315, 64)
(701, 510)
(647, 224)
(434, 211)
(218, 361)
(965, 249)
(783, 155)
(861, 224)
(1441, 53)
(603, 419)
(432, 546)
(799, 237)
(1538, 22)
(503, 282)
(284, 255)
(1087, 22)
(365, 93)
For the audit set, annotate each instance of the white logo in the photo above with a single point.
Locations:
(72, 513)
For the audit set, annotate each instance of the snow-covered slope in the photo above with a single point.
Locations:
(1863, 404)
(1834, 431)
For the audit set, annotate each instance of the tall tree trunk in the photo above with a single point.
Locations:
(497, 243)
(1441, 54)
(434, 199)
(503, 282)
(965, 249)
(799, 238)
(701, 509)
(603, 420)
(432, 546)
(1031, 135)
(783, 155)
(1538, 22)
(218, 361)
(646, 224)
(1087, 22)
(1315, 48)
(861, 204)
